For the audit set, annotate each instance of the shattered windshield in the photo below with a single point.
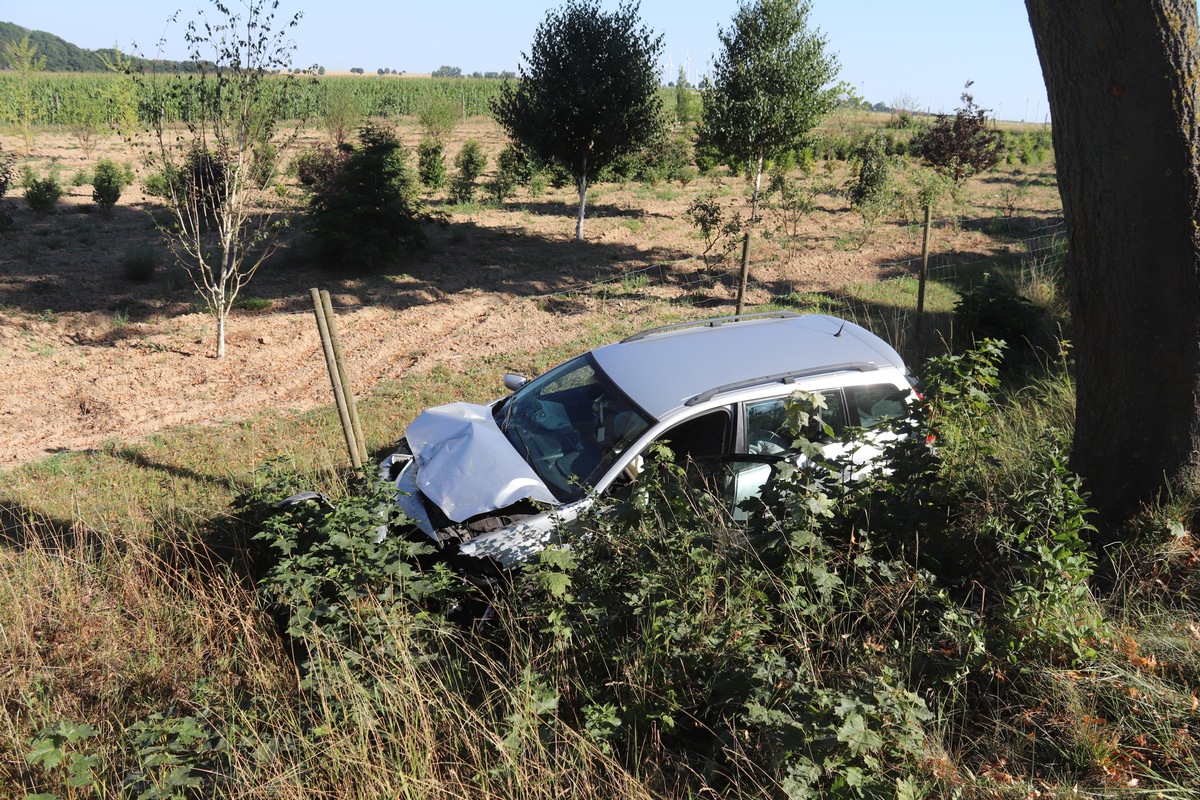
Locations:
(571, 424)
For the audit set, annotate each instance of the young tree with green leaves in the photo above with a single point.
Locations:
(218, 172)
(121, 94)
(684, 103)
(769, 85)
(23, 58)
(339, 113)
(588, 91)
(438, 117)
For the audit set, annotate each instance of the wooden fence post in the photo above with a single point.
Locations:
(343, 374)
(924, 276)
(339, 395)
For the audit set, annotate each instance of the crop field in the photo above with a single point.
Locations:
(71, 98)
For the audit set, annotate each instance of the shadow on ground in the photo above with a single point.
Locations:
(78, 262)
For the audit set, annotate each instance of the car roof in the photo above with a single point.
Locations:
(665, 369)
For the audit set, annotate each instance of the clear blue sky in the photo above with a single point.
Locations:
(926, 49)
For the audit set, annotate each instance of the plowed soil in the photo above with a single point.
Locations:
(89, 356)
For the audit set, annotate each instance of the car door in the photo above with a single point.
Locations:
(766, 440)
(851, 427)
(872, 410)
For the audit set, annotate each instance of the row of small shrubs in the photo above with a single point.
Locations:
(513, 168)
(1029, 148)
(42, 194)
(670, 158)
(842, 147)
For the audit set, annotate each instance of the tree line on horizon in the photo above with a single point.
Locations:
(62, 56)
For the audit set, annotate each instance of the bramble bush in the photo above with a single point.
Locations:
(798, 653)
(326, 562)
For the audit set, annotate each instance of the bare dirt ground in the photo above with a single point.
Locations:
(89, 356)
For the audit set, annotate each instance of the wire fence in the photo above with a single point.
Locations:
(896, 321)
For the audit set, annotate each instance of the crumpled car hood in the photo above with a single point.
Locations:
(466, 465)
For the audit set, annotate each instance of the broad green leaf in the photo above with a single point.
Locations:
(858, 735)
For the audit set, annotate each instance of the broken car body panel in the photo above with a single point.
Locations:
(465, 464)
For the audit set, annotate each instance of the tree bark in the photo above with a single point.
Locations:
(1121, 79)
(758, 168)
(221, 333)
(582, 202)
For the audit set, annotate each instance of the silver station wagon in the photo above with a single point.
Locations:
(499, 482)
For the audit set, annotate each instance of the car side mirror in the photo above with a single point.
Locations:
(513, 382)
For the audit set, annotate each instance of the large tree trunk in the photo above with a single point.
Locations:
(1121, 79)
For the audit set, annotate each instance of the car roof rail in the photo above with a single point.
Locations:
(714, 322)
(782, 377)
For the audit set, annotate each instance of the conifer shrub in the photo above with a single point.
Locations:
(470, 163)
(364, 210)
(108, 179)
(41, 194)
(431, 163)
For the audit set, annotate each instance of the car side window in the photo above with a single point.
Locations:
(703, 437)
(879, 403)
(766, 426)
(697, 444)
